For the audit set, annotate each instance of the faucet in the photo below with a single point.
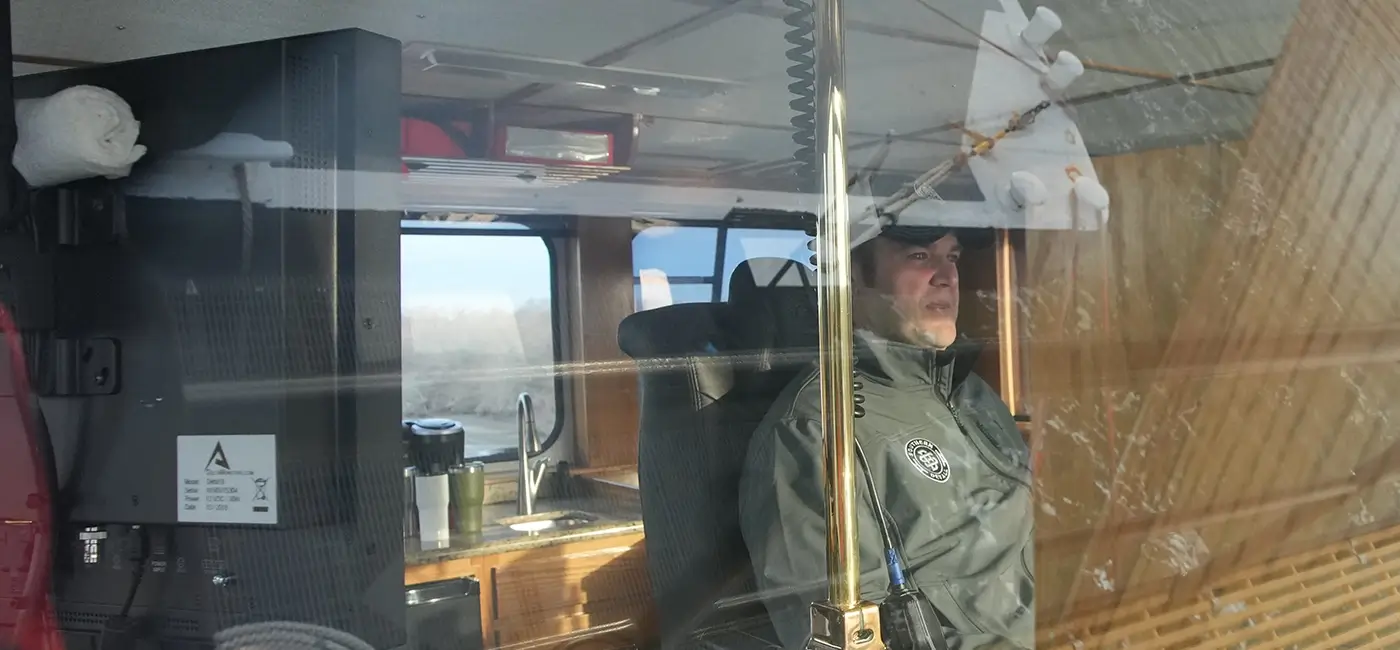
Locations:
(531, 472)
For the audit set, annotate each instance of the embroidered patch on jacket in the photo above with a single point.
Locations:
(928, 459)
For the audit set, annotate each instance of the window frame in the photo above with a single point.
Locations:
(546, 234)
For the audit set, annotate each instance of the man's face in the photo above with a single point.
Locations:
(918, 289)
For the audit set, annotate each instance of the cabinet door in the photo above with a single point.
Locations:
(565, 589)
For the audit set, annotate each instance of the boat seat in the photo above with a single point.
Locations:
(708, 373)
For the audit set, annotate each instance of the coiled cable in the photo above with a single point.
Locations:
(803, 73)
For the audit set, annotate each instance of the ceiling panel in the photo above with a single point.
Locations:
(1173, 116)
(910, 16)
(905, 86)
(893, 84)
(1090, 20)
(114, 31)
(741, 47)
(1178, 50)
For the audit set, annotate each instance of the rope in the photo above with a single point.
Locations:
(286, 635)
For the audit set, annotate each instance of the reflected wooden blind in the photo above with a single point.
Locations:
(1340, 596)
(1276, 377)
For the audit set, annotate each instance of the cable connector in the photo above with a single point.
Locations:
(138, 552)
(138, 546)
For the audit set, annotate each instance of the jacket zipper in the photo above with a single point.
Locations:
(957, 419)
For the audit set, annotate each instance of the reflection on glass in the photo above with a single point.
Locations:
(1204, 379)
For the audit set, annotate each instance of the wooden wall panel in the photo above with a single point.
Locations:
(977, 313)
(606, 407)
(1215, 381)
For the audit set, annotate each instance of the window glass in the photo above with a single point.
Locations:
(477, 332)
(680, 251)
(673, 265)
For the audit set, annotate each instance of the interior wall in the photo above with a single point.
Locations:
(1212, 378)
(606, 407)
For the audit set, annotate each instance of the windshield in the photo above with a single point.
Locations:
(682, 323)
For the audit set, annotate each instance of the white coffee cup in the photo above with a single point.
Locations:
(433, 498)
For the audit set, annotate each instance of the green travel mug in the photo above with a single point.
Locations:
(468, 484)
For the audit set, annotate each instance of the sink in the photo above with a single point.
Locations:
(548, 521)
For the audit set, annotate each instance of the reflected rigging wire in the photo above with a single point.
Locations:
(802, 53)
(944, 15)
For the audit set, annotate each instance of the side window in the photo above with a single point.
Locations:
(682, 264)
(478, 330)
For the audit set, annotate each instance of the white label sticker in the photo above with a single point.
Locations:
(227, 479)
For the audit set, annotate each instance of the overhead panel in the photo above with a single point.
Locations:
(112, 31)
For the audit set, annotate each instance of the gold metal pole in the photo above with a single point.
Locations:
(1006, 321)
(843, 621)
(834, 309)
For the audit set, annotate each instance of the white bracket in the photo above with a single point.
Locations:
(1043, 173)
(206, 172)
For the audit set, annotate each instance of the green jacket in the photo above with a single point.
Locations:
(952, 471)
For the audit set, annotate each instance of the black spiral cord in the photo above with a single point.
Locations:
(803, 72)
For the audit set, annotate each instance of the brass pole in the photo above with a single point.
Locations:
(1006, 321)
(834, 309)
(843, 622)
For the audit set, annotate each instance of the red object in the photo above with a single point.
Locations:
(423, 139)
(27, 617)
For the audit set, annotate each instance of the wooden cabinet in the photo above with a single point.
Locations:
(593, 594)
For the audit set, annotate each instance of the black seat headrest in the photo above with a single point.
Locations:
(671, 330)
(762, 273)
(772, 316)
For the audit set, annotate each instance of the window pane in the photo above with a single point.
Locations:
(477, 332)
(679, 251)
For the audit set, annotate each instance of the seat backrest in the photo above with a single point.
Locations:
(708, 373)
(683, 378)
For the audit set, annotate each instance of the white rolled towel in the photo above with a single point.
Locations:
(79, 132)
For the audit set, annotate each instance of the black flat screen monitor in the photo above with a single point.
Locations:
(237, 422)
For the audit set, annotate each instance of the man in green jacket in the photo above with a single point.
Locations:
(943, 449)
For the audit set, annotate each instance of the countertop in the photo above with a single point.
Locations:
(616, 516)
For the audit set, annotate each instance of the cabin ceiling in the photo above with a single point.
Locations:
(908, 68)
